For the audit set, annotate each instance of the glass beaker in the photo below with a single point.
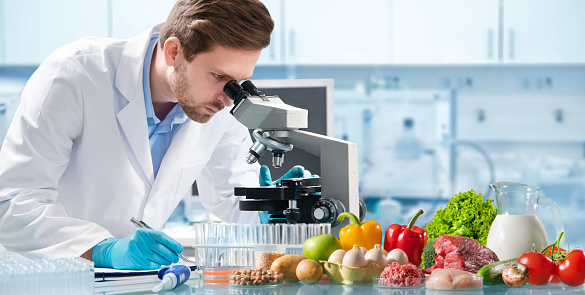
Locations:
(517, 229)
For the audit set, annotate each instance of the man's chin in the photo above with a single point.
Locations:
(200, 118)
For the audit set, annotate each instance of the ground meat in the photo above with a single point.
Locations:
(462, 253)
(406, 275)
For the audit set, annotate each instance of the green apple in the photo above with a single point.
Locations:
(320, 247)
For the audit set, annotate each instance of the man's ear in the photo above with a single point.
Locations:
(172, 51)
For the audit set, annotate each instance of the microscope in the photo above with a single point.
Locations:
(300, 200)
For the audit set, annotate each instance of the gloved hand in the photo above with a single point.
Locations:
(142, 249)
(294, 172)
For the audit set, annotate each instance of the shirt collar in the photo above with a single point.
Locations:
(179, 116)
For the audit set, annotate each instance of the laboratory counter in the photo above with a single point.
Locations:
(195, 286)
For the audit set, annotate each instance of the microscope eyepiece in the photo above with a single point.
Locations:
(251, 88)
(235, 91)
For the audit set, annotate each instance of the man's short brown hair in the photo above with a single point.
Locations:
(201, 24)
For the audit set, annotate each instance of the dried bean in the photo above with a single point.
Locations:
(255, 277)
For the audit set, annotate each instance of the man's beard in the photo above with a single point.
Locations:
(197, 113)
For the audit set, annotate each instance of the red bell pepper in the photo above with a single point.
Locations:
(411, 239)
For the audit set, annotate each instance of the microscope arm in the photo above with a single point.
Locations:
(339, 164)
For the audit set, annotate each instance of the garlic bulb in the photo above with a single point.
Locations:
(397, 255)
(337, 256)
(354, 257)
(376, 255)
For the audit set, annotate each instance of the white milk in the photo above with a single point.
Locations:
(512, 235)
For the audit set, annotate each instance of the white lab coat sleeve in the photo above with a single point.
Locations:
(226, 169)
(35, 153)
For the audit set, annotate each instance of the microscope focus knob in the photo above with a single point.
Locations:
(326, 210)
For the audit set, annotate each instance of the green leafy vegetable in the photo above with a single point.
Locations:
(466, 214)
(429, 253)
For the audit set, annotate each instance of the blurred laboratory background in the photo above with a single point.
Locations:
(441, 96)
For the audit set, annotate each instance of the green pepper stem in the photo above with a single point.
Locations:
(351, 216)
(414, 218)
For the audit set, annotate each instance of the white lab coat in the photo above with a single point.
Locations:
(76, 166)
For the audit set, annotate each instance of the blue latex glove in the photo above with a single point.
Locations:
(142, 249)
(294, 172)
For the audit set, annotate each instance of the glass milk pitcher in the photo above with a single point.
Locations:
(517, 229)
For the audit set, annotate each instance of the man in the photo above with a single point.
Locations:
(102, 134)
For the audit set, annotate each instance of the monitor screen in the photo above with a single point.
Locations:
(314, 95)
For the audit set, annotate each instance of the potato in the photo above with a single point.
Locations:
(287, 266)
(309, 271)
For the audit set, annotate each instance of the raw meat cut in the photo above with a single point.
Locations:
(462, 253)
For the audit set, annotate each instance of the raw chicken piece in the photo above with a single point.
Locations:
(450, 279)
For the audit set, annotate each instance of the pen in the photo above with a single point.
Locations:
(141, 224)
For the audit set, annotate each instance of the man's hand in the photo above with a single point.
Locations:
(294, 172)
(142, 249)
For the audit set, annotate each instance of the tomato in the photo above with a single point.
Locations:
(555, 279)
(555, 249)
(541, 267)
(571, 270)
(555, 252)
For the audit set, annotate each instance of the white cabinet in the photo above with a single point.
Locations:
(336, 31)
(272, 55)
(32, 29)
(543, 31)
(330, 32)
(447, 31)
(132, 17)
(521, 117)
(487, 31)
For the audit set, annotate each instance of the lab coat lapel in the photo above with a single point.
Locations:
(132, 120)
(163, 196)
(132, 115)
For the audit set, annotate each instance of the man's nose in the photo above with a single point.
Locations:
(225, 99)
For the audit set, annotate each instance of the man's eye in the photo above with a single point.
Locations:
(218, 76)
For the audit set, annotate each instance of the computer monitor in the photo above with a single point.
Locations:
(314, 95)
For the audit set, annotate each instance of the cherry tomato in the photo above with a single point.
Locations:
(541, 267)
(571, 270)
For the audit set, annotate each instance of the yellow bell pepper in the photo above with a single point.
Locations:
(366, 234)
